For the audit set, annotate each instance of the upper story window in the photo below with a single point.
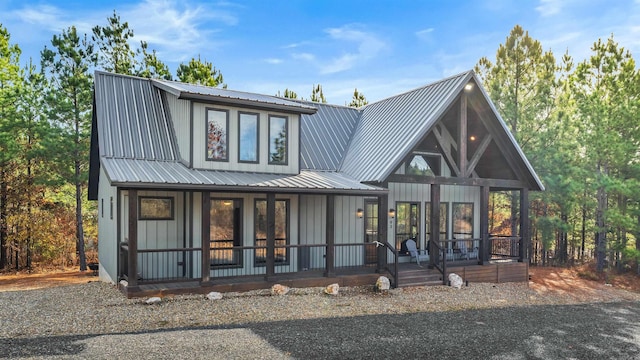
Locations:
(248, 137)
(278, 140)
(423, 164)
(217, 134)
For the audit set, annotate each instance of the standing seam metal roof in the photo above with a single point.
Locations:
(325, 136)
(390, 128)
(131, 120)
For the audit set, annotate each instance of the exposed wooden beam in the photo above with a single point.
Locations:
(494, 183)
(434, 226)
(479, 152)
(462, 136)
(445, 151)
(485, 246)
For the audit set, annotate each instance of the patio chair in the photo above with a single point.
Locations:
(413, 250)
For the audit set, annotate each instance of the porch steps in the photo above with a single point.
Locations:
(419, 277)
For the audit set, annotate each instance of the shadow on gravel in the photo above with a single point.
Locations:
(593, 331)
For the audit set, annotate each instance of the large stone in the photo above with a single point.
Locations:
(153, 300)
(383, 283)
(332, 289)
(214, 295)
(278, 289)
(455, 280)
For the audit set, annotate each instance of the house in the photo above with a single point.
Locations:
(204, 189)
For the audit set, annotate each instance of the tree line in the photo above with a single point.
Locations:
(577, 123)
(45, 125)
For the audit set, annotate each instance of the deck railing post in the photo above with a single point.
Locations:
(484, 251)
(434, 226)
(330, 241)
(271, 235)
(132, 278)
(381, 251)
(524, 224)
(206, 237)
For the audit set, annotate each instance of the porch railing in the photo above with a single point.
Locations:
(504, 247)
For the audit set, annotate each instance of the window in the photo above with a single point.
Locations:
(462, 220)
(277, 140)
(407, 223)
(423, 164)
(101, 207)
(371, 230)
(217, 134)
(155, 208)
(225, 232)
(111, 207)
(248, 137)
(282, 231)
(444, 219)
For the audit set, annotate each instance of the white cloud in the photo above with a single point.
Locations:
(368, 47)
(273, 61)
(303, 56)
(549, 7)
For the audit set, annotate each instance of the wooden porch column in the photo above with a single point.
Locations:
(434, 226)
(485, 246)
(462, 137)
(331, 236)
(206, 237)
(383, 226)
(132, 275)
(271, 235)
(524, 224)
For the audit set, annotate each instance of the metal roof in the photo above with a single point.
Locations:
(325, 136)
(172, 174)
(199, 92)
(392, 127)
(131, 120)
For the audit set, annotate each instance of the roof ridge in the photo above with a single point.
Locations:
(464, 73)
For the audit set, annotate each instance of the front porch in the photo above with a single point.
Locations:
(345, 264)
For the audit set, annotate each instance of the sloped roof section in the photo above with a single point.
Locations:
(171, 174)
(390, 128)
(131, 120)
(325, 136)
(232, 97)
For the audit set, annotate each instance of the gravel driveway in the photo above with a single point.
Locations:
(505, 321)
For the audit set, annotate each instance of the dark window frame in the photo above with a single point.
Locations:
(427, 211)
(453, 213)
(287, 239)
(171, 216)
(238, 239)
(206, 134)
(286, 134)
(397, 242)
(257, 116)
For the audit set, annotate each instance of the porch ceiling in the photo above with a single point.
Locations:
(175, 175)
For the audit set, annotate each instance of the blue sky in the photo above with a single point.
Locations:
(380, 47)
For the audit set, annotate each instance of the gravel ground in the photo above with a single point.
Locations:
(94, 318)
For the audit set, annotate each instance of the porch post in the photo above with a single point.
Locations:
(383, 226)
(330, 241)
(132, 276)
(434, 226)
(271, 235)
(206, 237)
(485, 246)
(524, 224)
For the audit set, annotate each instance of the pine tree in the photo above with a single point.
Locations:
(10, 89)
(358, 99)
(69, 68)
(317, 95)
(112, 41)
(201, 73)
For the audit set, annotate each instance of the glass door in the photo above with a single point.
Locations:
(370, 231)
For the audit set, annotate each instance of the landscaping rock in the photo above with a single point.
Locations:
(332, 289)
(214, 295)
(153, 300)
(455, 280)
(278, 289)
(383, 284)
